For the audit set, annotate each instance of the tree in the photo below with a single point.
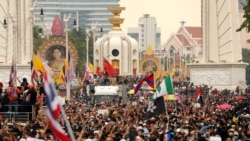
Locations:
(246, 58)
(246, 22)
(38, 40)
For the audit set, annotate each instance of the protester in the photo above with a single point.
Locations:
(122, 120)
(12, 92)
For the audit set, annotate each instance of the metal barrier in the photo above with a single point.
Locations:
(19, 116)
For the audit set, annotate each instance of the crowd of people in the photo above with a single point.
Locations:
(185, 119)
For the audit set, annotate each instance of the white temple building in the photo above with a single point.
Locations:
(119, 49)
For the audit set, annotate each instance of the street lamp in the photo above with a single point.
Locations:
(41, 14)
(4, 23)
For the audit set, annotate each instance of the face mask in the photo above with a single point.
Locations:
(236, 137)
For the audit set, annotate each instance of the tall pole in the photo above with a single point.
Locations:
(182, 44)
(87, 54)
(87, 46)
(93, 28)
(66, 20)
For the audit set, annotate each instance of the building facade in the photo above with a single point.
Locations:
(221, 65)
(117, 48)
(187, 41)
(147, 33)
(84, 12)
(16, 37)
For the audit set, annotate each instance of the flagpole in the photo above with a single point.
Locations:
(154, 81)
(69, 129)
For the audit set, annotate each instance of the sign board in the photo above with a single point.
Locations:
(215, 139)
(103, 112)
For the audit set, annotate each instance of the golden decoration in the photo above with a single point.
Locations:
(116, 20)
(60, 41)
(149, 50)
(150, 63)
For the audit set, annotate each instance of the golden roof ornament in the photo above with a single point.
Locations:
(149, 50)
(116, 20)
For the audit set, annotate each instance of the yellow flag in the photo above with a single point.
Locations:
(37, 64)
(91, 68)
(66, 65)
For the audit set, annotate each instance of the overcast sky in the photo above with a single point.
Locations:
(168, 13)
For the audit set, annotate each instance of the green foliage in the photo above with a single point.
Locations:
(37, 39)
(246, 22)
(246, 58)
(77, 38)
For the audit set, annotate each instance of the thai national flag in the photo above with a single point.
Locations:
(34, 74)
(13, 70)
(53, 109)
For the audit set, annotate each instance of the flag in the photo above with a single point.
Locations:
(34, 73)
(38, 64)
(99, 71)
(156, 103)
(166, 87)
(198, 92)
(108, 67)
(138, 86)
(72, 74)
(149, 79)
(13, 71)
(155, 108)
(53, 109)
(64, 71)
(87, 74)
(91, 68)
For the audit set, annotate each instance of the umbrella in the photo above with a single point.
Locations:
(171, 97)
(132, 91)
(224, 106)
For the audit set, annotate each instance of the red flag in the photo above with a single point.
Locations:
(198, 93)
(1, 117)
(108, 67)
(99, 71)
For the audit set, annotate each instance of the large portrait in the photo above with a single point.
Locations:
(149, 64)
(53, 51)
(55, 57)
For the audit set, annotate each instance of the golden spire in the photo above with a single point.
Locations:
(116, 20)
(149, 50)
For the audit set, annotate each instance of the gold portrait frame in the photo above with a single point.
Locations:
(45, 50)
